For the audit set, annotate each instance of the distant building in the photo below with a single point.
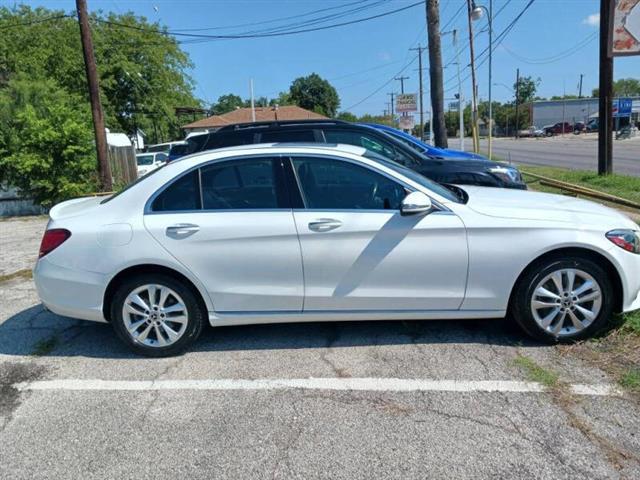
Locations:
(244, 115)
(549, 112)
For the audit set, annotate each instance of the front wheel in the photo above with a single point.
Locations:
(156, 315)
(563, 300)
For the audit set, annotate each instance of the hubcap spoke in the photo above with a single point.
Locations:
(588, 314)
(543, 292)
(571, 278)
(177, 319)
(576, 321)
(171, 333)
(556, 329)
(164, 293)
(134, 326)
(589, 297)
(585, 287)
(540, 304)
(178, 307)
(546, 321)
(160, 337)
(145, 333)
(139, 301)
(557, 280)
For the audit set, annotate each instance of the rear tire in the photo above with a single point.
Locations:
(575, 291)
(156, 315)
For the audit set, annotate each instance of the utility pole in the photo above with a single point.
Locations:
(435, 73)
(605, 114)
(460, 100)
(104, 169)
(392, 95)
(419, 50)
(402, 79)
(580, 88)
(517, 103)
(474, 100)
(253, 106)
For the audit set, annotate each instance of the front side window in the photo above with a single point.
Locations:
(371, 142)
(244, 184)
(144, 159)
(334, 184)
(183, 194)
(161, 157)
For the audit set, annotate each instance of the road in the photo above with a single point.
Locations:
(578, 152)
(387, 400)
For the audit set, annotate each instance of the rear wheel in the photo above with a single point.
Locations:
(563, 300)
(156, 315)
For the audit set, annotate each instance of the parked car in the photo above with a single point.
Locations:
(291, 233)
(592, 125)
(148, 162)
(161, 147)
(579, 127)
(451, 170)
(531, 131)
(558, 128)
(424, 147)
(178, 150)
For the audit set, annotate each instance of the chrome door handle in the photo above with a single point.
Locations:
(182, 229)
(324, 225)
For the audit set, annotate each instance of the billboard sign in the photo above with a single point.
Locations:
(624, 30)
(407, 122)
(407, 102)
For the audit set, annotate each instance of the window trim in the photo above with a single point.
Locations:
(408, 188)
(278, 183)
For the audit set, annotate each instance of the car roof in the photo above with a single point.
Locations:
(294, 146)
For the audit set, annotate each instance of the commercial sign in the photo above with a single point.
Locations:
(407, 102)
(407, 122)
(624, 30)
(622, 107)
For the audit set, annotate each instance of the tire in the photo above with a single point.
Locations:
(596, 298)
(166, 328)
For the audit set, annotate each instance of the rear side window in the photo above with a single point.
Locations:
(246, 184)
(183, 194)
(281, 136)
(229, 139)
(372, 143)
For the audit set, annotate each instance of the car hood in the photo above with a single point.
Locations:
(528, 205)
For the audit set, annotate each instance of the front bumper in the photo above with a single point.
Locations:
(71, 293)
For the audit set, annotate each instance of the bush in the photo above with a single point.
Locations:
(46, 142)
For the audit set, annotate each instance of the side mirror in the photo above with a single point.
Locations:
(415, 203)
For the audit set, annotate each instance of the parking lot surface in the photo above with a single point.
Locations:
(439, 399)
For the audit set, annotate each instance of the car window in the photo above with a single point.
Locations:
(229, 139)
(161, 157)
(288, 136)
(241, 184)
(164, 147)
(144, 159)
(333, 184)
(182, 194)
(370, 142)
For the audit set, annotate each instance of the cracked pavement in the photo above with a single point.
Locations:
(296, 433)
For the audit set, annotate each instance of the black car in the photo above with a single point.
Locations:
(462, 171)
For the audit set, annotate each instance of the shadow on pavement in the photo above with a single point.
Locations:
(35, 331)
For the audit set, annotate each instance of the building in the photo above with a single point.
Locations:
(549, 112)
(244, 115)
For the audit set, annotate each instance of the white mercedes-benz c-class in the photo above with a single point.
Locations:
(296, 233)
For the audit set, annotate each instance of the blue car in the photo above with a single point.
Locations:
(422, 147)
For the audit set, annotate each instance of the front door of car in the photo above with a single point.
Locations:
(231, 225)
(360, 254)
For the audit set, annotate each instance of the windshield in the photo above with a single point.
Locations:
(415, 176)
(144, 159)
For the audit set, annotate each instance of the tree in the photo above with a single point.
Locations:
(347, 117)
(228, 103)
(46, 141)
(379, 119)
(624, 87)
(526, 88)
(314, 93)
(435, 72)
(283, 99)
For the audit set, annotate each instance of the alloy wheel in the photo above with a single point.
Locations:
(566, 301)
(155, 315)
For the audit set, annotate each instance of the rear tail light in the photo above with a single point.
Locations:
(52, 239)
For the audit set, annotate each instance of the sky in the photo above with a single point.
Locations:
(555, 41)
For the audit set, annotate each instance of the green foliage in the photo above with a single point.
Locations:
(379, 119)
(46, 141)
(625, 87)
(347, 117)
(536, 373)
(228, 103)
(526, 88)
(314, 93)
(631, 379)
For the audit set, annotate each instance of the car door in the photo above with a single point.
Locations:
(230, 224)
(359, 252)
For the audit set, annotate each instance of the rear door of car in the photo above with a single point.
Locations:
(231, 224)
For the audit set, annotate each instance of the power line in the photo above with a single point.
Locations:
(554, 58)
(261, 35)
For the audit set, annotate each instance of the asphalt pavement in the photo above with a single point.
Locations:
(350, 400)
(577, 152)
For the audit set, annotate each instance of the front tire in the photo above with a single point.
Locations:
(563, 301)
(156, 315)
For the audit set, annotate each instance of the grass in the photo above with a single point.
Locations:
(536, 373)
(631, 323)
(631, 380)
(623, 186)
(22, 274)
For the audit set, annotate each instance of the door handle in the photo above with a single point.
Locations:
(182, 230)
(324, 224)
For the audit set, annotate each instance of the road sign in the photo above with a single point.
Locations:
(406, 102)
(621, 107)
(407, 122)
(624, 30)
(453, 106)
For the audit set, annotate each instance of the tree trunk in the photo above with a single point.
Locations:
(435, 73)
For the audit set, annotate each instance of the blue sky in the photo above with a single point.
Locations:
(555, 40)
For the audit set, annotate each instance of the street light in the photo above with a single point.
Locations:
(477, 12)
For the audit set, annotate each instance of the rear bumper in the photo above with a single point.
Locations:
(71, 293)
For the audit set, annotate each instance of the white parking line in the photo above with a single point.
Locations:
(343, 384)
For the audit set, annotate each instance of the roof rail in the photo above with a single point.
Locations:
(280, 123)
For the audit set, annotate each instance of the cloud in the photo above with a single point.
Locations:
(592, 20)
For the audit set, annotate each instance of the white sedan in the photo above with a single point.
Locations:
(148, 162)
(300, 233)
